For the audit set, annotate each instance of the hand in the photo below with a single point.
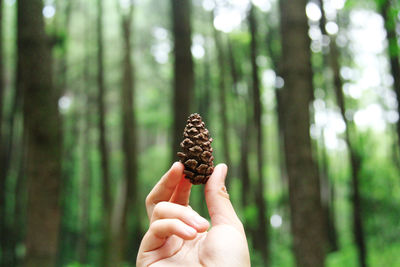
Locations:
(178, 235)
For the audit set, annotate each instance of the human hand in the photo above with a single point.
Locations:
(178, 235)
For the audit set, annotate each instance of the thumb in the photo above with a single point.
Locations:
(219, 206)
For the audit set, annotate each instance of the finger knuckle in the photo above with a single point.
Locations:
(154, 226)
(160, 207)
(224, 195)
(148, 200)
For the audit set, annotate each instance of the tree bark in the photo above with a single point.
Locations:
(327, 199)
(355, 159)
(106, 194)
(204, 103)
(1, 84)
(41, 123)
(183, 69)
(271, 37)
(129, 234)
(222, 83)
(86, 172)
(244, 160)
(69, 128)
(85, 189)
(393, 52)
(65, 25)
(8, 152)
(262, 240)
(327, 185)
(3, 230)
(243, 128)
(309, 239)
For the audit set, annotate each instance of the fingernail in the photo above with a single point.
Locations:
(190, 231)
(174, 164)
(200, 221)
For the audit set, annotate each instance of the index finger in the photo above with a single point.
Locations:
(219, 206)
(164, 189)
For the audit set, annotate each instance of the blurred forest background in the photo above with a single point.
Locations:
(301, 98)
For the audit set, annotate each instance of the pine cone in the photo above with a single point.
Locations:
(197, 151)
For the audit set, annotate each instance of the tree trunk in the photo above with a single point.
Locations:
(8, 152)
(244, 160)
(85, 186)
(204, 109)
(1, 90)
(222, 97)
(106, 195)
(326, 183)
(41, 123)
(204, 103)
(327, 193)
(244, 127)
(393, 51)
(271, 37)
(355, 159)
(3, 231)
(309, 239)
(19, 224)
(63, 66)
(261, 237)
(86, 172)
(183, 69)
(128, 237)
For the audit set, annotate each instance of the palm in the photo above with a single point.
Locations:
(221, 246)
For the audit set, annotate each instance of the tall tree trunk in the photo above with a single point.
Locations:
(261, 237)
(85, 185)
(106, 195)
(70, 131)
(244, 127)
(11, 156)
(392, 50)
(204, 109)
(19, 224)
(132, 204)
(64, 25)
(128, 237)
(3, 231)
(1, 87)
(244, 160)
(355, 159)
(204, 103)
(309, 239)
(183, 69)
(395, 153)
(41, 123)
(326, 183)
(327, 193)
(7, 154)
(222, 96)
(86, 172)
(271, 37)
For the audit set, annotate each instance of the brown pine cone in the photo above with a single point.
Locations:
(197, 151)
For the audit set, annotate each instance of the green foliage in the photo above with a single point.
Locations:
(380, 183)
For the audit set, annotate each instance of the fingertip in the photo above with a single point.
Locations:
(176, 169)
(219, 175)
(189, 232)
(177, 165)
(223, 167)
(204, 227)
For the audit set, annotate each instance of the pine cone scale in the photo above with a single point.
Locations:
(197, 151)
